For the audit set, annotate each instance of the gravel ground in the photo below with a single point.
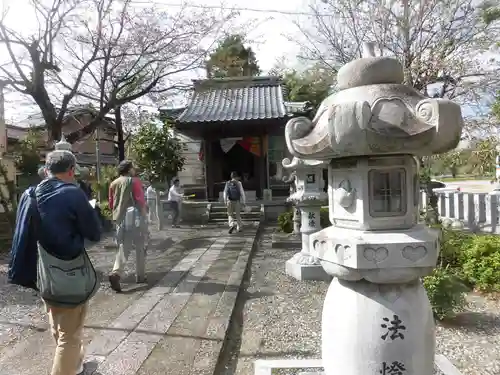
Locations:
(21, 310)
(278, 317)
(17, 304)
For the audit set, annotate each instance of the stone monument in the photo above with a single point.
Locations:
(307, 198)
(376, 317)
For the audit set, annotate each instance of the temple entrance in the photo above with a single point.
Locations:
(230, 156)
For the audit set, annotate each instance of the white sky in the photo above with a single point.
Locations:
(266, 32)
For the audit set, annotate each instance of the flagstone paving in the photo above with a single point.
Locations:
(174, 324)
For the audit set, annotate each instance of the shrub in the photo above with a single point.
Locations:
(454, 245)
(446, 292)
(108, 174)
(106, 212)
(482, 262)
(285, 221)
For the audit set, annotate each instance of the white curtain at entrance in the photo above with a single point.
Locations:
(228, 143)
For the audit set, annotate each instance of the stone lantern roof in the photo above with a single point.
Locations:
(64, 145)
(374, 113)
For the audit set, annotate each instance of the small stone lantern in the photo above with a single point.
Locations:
(308, 198)
(64, 145)
(376, 316)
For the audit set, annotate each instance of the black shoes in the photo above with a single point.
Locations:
(114, 281)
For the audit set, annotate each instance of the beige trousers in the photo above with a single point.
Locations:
(127, 242)
(66, 325)
(234, 214)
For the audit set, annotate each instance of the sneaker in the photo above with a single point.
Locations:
(114, 281)
(231, 230)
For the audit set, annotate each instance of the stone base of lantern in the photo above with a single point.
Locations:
(369, 329)
(305, 267)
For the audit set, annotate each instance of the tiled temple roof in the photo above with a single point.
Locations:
(235, 99)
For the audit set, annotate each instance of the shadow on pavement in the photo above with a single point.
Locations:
(476, 322)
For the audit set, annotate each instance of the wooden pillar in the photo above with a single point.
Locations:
(262, 168)
(209, 168)
(204, 161)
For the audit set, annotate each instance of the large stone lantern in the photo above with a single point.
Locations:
(376, 317)
(308, 198)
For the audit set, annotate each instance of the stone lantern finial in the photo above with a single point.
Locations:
(369, 49)
(63, 144)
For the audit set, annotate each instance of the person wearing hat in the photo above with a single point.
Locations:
(127, 192)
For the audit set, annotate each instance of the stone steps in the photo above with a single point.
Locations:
(244, 215)
(218, 213)
(219, 207)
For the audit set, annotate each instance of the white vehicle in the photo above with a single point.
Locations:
(441, 187)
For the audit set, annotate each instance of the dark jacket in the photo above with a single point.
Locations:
(23, 260)
(87, 189)
(66, 218)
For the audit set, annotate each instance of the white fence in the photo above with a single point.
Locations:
(478, 212)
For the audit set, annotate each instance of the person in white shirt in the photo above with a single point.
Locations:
(151, 201)
(234, 198)
(175, 198)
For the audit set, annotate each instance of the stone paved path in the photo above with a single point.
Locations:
(174, 324)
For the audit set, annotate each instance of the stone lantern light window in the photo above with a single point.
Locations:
(387, 192)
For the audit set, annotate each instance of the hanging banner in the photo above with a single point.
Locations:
(228, 143)
(251, 144)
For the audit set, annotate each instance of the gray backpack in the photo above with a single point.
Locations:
(132, 219)
(64, 283)
(233, 190)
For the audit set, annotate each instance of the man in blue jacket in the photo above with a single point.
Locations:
(66, 221)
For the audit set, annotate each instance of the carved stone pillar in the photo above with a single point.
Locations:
(377, 252)
(307, 199)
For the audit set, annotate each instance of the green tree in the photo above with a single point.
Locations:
(27, 153)
(232, 59)
(157, 151)
(450, 161)
(312, 85)
(491, 12)
(484, 156)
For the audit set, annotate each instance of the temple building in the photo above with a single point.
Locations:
(235, 124)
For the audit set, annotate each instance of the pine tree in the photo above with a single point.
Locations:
(232, 59)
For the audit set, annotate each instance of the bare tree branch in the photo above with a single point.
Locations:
(442, 44)
(148, 54)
